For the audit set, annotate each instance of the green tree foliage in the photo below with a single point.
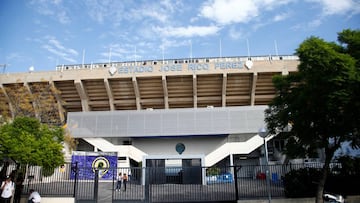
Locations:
(343, 180)
(350, 41)
(213, 171)
(27, 141)
(319, 101)
(38, 100)
(349, 166)
(301, 182)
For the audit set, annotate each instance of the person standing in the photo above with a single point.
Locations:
(119, 180)
(18, 187)
(7, 188)
(125, 179)
(3, 171)
(34, 197)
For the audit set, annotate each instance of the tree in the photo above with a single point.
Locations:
(36, 99)
(27, 141)
(319, 101)
(350, 39)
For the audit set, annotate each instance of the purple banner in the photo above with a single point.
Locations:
(88, 162)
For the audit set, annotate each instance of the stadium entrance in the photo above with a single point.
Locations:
(174, 169)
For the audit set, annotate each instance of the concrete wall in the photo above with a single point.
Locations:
(167, 122)
(193, 145)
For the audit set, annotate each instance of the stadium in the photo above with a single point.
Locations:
(173, 112)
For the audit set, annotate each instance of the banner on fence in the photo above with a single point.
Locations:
(88, 162)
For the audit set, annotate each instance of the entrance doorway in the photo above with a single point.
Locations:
(174, 170)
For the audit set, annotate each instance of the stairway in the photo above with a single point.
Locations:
(234, 148)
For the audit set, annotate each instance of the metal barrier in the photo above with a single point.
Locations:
(161, 184)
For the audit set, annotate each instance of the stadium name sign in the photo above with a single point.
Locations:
(181, 67)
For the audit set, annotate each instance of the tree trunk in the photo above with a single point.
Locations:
(325, 171)
(321, 185)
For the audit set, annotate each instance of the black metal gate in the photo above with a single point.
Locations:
(168, 184)
(85, 191)
(160, 184)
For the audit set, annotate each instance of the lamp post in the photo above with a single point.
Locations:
(263, 133)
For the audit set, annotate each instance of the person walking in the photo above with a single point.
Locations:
(34, 197)
(119, 180)
(125, 179)
(7, 190)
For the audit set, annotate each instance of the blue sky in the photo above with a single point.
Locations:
(46, 33)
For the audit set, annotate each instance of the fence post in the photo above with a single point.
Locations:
(96, 185)
(114, 181)
(75, 170)
(147, 184)
(236, 183)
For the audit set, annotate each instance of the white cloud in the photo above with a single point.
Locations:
(235, 11)
(13, 56)
(55, 43)
(272, 4)
(162, 11)
(235, 34)
(335, 7)
(156, 15)
(332, 7)
(281, 17)
(57, 2)
(53, 9)
(189, 31)
(62, 17)
(229, 11)
(315, 23)
(105, 11)
(329, 7)
(166, 43)
(55, 47)
(194, 19)
(170, 5)
(119, 12)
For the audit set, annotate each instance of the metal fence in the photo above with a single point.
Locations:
(170, 184)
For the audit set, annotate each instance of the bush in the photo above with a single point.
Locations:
(213, 171)
(301, 182)
(343, 184)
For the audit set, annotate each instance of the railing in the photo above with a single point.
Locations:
(233, 148)
(174, 61)
(161, 184)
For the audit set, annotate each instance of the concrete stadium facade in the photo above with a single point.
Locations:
(208, 110)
